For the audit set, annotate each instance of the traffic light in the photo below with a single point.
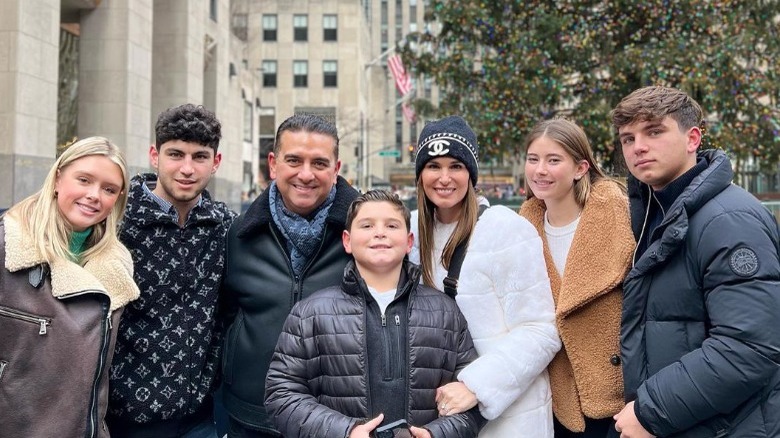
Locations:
(411, 152)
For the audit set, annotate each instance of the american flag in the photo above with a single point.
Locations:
(402, 80)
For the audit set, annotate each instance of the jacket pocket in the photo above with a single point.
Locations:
(229, 351)
(43, 322)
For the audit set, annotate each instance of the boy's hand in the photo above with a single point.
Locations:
(628, 425)
(454, 398)
(363, 430)
(419, 432)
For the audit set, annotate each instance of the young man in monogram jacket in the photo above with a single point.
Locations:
(169, 343)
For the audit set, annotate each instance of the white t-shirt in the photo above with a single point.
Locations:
(383, 299)
(559, 241)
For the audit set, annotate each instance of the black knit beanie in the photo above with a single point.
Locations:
(448, 137)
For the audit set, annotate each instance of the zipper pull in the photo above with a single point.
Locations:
(384, 320)
(397, 320)
(42, 329)
(110, 324)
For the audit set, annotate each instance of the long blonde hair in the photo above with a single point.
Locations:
(426, 222)
(42, 220)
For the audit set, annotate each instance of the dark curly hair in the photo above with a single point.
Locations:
(190, 123)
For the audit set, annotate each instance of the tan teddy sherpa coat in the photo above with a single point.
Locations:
(585, 375)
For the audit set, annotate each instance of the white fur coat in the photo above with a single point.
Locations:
(504, 293)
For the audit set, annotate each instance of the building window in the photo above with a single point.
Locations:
(330, 28)
(329, 74)
(269, 73)
(247, 121)
(213, 4)
(300, 73)
(269, 27)
(300, 28)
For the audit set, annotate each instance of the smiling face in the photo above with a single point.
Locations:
(551, 172)
(305, 169)
(445, 181)
(378, 238)
(657, 151)
(87, 190)
(183, 171)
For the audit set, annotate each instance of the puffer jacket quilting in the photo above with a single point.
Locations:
(317, 385)
(699, 338)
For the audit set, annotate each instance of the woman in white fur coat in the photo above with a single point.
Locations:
(503, 288)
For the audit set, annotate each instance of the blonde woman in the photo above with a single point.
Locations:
(64, 282)
(582, 217)
(502, 290)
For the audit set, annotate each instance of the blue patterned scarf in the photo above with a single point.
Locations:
(303, 236)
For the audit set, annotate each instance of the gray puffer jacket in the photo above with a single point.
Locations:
(318, 382)
(700, 332)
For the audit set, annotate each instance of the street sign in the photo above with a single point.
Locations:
(390, 153)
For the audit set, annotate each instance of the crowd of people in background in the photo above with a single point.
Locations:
(141, 307)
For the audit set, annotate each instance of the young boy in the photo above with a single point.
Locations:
(373, 350)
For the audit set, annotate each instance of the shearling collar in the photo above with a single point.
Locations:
(111, 275)
(600, 252)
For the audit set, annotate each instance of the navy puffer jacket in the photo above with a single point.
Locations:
(700, 333)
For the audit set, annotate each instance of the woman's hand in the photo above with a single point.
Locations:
(364, 430)
(419, 432)
(454, 398)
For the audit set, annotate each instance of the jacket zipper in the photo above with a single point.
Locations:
(398, 371)
(42, 322)
(387, 375)
(93, 414)
(106, 327)
(365, 365)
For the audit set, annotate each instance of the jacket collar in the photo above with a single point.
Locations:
(600, 253)
(353, 283)
(110, 275)
(674, 227)
(259, 212)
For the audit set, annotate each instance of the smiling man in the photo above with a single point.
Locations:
(283, 248)
(167, 351)
(700, 339)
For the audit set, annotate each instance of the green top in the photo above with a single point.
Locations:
(77, 240)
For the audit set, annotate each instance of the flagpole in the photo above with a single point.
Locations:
(363, 158)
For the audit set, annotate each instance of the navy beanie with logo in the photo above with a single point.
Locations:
(448, 137)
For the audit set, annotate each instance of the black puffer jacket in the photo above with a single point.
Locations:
(260, 286)
(700, 336)
(318, 383)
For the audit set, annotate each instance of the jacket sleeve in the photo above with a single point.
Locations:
(530, 339)
(290, 404)
(469, 423)
(736, 258)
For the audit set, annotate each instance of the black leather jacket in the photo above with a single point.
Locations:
(260, 288)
